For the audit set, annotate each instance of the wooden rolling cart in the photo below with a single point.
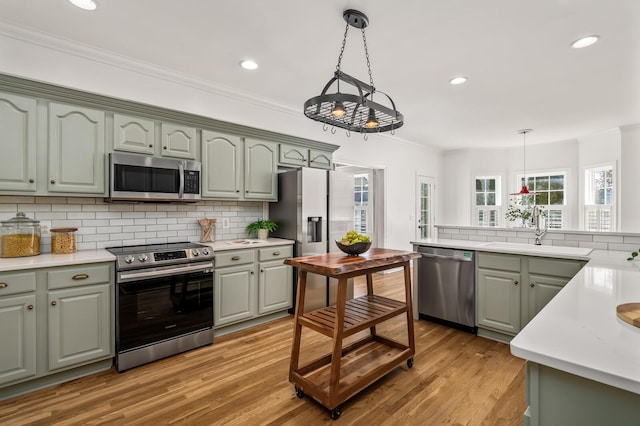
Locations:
(339, 375)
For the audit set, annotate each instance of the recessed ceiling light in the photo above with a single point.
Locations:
(585, 41)
(248, 65)
(458, 80)
(85, 4)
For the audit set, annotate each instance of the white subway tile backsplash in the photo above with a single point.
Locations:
(81, 215)
(17, 199)
(66, 207)
(94, 222)
(628, 239)
(80, 200)
(553, 236)
(506, 234)
(108, 215)
(477, 238)
(593, 245)
(565, 243)
(623, 247)
(608, 238)
(487, 233)
(469, 231)
(578, 237)
(34, 207)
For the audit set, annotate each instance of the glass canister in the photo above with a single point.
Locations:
(20, 236)
(63, 240)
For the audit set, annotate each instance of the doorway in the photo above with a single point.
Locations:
(425, 205)
(368, 203)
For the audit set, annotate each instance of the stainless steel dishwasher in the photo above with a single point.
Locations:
(446, 287)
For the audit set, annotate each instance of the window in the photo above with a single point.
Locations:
(487, 209)
(362, 209)
(599, 208)
(549, 191)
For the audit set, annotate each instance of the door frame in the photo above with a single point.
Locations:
(428, 180)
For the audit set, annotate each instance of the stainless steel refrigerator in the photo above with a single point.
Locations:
(315, 207)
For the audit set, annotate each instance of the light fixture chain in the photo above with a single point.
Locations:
(366, 54)
(344, 42)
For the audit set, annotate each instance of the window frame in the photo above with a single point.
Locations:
(565, 207)
(600, 209)
(486, 209)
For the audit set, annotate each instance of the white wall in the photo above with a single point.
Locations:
(630, 166)
(54, 62)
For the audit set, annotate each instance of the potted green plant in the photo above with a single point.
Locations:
(518, 212)
(262, 228)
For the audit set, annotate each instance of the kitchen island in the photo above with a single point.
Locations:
(336, 377)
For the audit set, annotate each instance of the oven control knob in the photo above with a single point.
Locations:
(128, 259)
(195, 253)
(143, 258)
(205, 251)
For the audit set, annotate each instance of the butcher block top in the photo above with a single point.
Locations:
(340, 265)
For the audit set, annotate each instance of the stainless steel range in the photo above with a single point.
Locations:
(164, 301)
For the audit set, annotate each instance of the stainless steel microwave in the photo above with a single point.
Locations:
(142, 178)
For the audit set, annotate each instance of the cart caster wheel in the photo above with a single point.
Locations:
(335, 413)
(299, 392)
(410, 362)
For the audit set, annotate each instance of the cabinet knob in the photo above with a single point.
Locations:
(53, 181)
(252, 273)
(164, 147)
(515, 282)
(150, 145)
(237, 190)
(4, 285)
(532, 284)
(31, 180)
(246, 190)
(30, 307)
(80, 277)
(261, 270)
(54, 303)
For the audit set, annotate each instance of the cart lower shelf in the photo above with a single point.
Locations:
(363, 362)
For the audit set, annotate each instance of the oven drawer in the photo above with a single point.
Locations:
(275, 253)
(236, 257)
(77, 276)
(17, 282)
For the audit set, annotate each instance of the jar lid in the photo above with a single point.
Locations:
(63, 229)
(20, 220)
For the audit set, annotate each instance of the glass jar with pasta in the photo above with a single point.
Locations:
(20, 236)
(63, 240)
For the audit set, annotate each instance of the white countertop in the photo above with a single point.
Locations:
(578, 331)
(47, 260)
(579, 253)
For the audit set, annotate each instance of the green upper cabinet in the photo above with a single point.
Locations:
(320, 159)
(18, 130)
(260, 170)
(76, 149)
(221, 165)
(178, 141)
(133, 134)
(293, 155)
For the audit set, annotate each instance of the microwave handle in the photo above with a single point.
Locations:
(181, 188)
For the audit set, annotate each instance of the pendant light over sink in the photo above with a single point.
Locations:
(355, 111)
(524, 190)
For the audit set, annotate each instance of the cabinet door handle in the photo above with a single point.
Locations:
(80, 277)
(276, 253)
(4, 285)
(31, 180)
(516, 282)
(54, 303)
(235, 258)
(252, 273)
(30, 307)
(532, 284)
(53, 181)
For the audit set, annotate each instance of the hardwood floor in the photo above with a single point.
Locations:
(242, 379)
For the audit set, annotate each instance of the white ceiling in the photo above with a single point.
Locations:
(522, 72)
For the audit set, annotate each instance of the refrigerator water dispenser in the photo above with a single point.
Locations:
(314, 229)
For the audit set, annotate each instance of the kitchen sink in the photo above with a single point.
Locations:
(543, 249)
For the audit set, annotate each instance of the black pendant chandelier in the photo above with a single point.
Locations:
(355, 112)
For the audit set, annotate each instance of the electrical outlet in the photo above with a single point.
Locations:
(225, 222)
(45, 227)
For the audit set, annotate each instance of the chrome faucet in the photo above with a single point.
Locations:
(540, 229)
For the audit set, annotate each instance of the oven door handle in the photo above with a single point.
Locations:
(145, 275)
(181, 188)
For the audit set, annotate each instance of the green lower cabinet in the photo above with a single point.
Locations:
(79, 325)
(498, 300)
(512, 289)
(234, 294)
(275, 287)
(18, 337)
(555, 397)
